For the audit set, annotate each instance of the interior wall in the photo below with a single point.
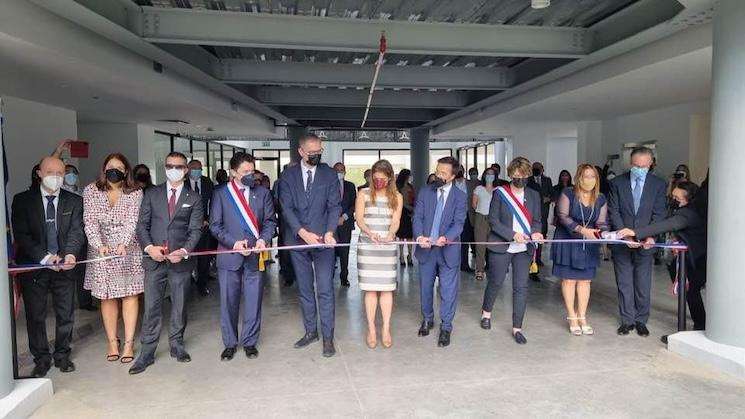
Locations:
(104, 139)
(32, 130)
(700, 125)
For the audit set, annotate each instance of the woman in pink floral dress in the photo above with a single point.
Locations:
(110, 210)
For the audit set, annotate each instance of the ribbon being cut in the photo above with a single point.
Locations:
(607, 238)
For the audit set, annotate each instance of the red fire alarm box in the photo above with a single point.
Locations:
(79, 149)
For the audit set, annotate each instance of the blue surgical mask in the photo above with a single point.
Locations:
(639, 172)
(248, 180)
(196, 173)
(489, 178)
(71, 179)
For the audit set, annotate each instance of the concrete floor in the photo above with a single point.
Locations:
(482, 374)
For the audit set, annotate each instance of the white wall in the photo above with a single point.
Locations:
(32, 131)
(104, 139)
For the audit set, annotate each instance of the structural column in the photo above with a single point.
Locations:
(7, 382)
(293, 134)
(419, 155)
(725, 296)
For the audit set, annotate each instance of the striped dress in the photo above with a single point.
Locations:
(377, 264)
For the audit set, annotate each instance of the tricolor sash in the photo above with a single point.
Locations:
(518, 209)
(245, 213)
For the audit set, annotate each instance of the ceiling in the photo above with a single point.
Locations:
(312, 61)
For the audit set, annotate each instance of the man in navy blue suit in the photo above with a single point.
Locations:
(241, 218)
(439, 215)
(309, 196)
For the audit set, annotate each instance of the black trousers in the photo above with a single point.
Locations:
(152, 317)
(343, 235)
(285, 262)
(696, 282)
(35, 288)
(84, 296)
(465, 236)
(206, 242)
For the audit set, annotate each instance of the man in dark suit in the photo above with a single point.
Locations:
(243, 219)
(514, 216)
(348, 195)
(367, 174)
(48, 228)
(203, 187)
(439, 215)
(309, 195)
(170, 226)
(285, 262)
(637, 199)
(543, 185)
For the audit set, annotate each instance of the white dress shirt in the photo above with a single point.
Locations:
(195, 184)
(179, 189)
(55, 202)
(304, 168)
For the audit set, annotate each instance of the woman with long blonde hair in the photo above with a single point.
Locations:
(582, 213)
(378, 214)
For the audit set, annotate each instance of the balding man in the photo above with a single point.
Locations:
(48, 228)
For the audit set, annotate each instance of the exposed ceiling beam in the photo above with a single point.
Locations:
(371, 125)
(299, 96)
(263, 30)
(354, 75)
(310, 113)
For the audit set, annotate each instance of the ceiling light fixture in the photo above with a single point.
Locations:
(540, 4)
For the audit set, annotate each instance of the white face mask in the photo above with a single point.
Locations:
(175, 175)
(52, 183)
(340, 176)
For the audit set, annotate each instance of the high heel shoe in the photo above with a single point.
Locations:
(586, 328)
(128, 359)
(387, 342)
(114, 357)
(372, 343)
(574, 330)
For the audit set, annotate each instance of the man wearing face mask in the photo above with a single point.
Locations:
(439, 215)
(637, 199)
(309, 195)
(71, 179)
(543, 185)
(348, 195)
(169, 227)
(204, 187)
(48, 228)
(242, 219)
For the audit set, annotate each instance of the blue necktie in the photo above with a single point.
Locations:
(435, 232)
(637, 194)
(309, 183)
(52, 245)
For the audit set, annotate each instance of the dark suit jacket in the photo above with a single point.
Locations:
(183, 231)
(227, 227)
(652, 208)
(318, 213)
(545, 189)
(500, 219)
(687, 224)
(451, 224)
(29, 226)
(347, 207)
(206, 189)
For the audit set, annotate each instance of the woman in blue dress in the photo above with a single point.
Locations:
(582, 213)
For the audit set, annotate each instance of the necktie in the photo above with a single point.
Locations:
(435, 232)
(52, 244)
(309, 182)
(341, 189)
(196, 187)
(172, 203)
(637, 194)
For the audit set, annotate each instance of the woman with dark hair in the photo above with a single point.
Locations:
(222, 177)
(111, 206)
(431, 178)
(141, 174)
(378, 212)
(405, 230)
(35, 179)
(481, 201)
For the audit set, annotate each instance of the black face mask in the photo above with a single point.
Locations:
(314, 159)
(143, 177)
(248, 181)
(438, 182)
(519, 182)
(536, 172)
(115, 175)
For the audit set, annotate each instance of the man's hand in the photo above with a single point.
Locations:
(205, 224)
(121, 250)
(536, 236)
(441, 241)
(308, 237)
(329, 239)
(157, 253)
(625, 232)
(54, 261)
(649, 243)
(632, 244)
(521, 238)
(103, 251)
(69, 262)
(242, 247)
(341, 221)
(177, 256)
(260, 246)
(424, 242)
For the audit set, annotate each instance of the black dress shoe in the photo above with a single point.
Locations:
(288, 282)
(344, 283)
(444, 339)
(89, 307)
(203, 291)
(519, 338)
(664, 339)
(180, 355)
(40, 370)
(140, 366)
(535, 278)
(251, 352)
(64, 365)
(426, 326)
(641, 329)
(328, 348)
(306, 340)
(624, 329)
(227, 354)
(485, 323)
(540, 263)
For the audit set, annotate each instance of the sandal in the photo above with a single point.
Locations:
(387, 343)
(372, 343)
(114, 357)
(479, 276)
(574, 330)
(128, 359)
(586, 328)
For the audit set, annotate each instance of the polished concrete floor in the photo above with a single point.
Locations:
(482, 374)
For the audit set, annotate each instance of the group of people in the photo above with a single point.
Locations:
(149, 236)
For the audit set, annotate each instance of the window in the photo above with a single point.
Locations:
(161, 147)
(270, 162)
(199, 152)
(399, 159)
(479, 156)
(357, 161)
(437, 154)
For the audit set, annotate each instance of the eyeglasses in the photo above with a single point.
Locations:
(313, 153)
(179, 167)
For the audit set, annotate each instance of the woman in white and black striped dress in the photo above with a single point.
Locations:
(378, 213)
